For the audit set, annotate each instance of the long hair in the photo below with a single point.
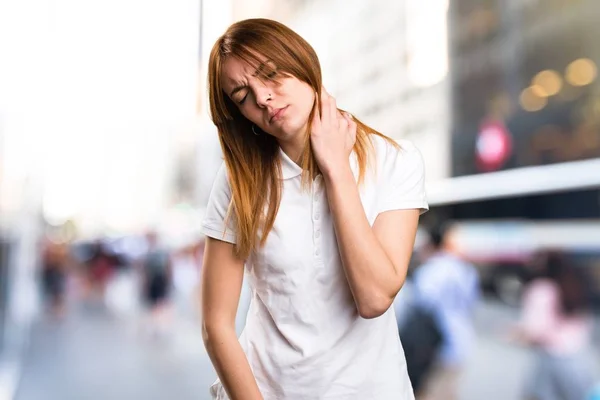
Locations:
(252, 161)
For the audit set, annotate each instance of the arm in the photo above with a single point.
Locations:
(375, 259)
(222, 276)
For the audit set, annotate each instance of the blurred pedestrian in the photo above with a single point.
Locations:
(438, 333)
(326, 241)
(101, 267)
(157, 277)
(186, 279)
(556, 321)
(54, 268)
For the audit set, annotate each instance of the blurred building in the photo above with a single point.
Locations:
(92, 98)
(525, 131)
(20, 216)
(525, 110)
(20, 189)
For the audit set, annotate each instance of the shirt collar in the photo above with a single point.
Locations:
(289, 168)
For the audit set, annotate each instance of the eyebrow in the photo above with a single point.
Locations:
(259, 69)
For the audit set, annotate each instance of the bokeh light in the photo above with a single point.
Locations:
(581, 72)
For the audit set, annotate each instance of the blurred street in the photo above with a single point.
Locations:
(93, 355)
(109, 151)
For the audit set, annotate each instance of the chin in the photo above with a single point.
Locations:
(284, 134)
(289, 131)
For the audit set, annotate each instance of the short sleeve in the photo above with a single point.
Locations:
(402, 184)
(216, 210)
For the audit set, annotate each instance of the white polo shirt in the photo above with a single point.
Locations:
(304, 338)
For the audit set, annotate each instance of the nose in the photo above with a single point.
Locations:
(263, 96)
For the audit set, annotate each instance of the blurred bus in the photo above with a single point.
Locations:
(502, 250)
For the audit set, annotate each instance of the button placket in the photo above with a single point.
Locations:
(316, 217)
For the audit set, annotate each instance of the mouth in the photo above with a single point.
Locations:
(277, 114)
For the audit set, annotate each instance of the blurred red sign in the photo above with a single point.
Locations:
(493, 146)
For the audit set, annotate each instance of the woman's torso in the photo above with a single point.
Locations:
(304, 338)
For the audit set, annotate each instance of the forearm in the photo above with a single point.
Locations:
(231, 364)
(373, 278)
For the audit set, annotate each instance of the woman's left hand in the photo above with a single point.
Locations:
(333, 136)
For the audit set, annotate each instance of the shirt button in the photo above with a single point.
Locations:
(317, 234)
(317, 252)
(317, 216)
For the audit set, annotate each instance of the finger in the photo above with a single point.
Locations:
(333, 112)
(342, 120)
(324, 105)
(329, 110)
(351, 123)
(347, 117)
(353, 131)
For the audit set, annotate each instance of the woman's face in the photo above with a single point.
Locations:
(278, 104)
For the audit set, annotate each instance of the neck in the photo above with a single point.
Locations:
(293, 147)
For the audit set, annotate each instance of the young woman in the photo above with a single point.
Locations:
(322, 210)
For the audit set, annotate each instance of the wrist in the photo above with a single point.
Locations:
(337, 172)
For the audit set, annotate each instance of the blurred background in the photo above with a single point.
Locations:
(107, 157)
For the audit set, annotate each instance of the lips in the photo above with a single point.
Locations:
(276, 114)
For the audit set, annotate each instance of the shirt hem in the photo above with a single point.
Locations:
(422, 206)
(218, 234)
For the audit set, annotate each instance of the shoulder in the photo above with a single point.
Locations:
(392, 151)
(215, 222)
(221, 183)
(222, 175)
(220, 194)
(401, 157)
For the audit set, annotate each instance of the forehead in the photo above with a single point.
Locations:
(236, 71)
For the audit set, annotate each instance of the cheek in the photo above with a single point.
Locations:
(308, 101)
(251, 113)
(304, 99)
